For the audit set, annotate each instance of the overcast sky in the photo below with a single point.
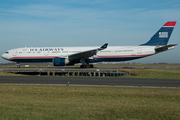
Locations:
(56, 23)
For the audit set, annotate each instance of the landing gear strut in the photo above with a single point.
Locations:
(18, 65)
(86, 66)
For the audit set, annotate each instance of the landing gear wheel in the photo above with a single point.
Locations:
(83, 66)
(91, 66)
(86, 66)
(18, 66)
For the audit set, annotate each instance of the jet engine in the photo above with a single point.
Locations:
(60, 61)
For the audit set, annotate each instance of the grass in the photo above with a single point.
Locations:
(138, 65)
(153, 73)
(80, 103)
(100, 65)
(164, 73)
(139, 73)
(10, 74)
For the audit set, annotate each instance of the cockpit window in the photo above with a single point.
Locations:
(7, 52)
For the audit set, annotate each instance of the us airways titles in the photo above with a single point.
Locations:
(46, 49)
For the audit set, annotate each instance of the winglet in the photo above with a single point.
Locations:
(104, 46)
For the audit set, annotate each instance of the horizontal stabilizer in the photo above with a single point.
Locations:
(164, 48)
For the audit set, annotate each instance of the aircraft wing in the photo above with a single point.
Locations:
(164, 48)
(86, 54)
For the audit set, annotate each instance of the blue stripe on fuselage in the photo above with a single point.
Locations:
(95, 59)
(114, 59)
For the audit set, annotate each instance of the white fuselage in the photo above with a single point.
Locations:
(46, 54)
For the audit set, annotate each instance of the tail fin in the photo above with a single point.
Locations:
(162, 36)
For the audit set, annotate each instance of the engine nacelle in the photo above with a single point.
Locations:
(60, 61)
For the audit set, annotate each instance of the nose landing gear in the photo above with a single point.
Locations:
(18, 65)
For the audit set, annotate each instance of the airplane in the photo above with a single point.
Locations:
(64, 56)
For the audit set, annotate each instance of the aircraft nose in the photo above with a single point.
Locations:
(4, 56)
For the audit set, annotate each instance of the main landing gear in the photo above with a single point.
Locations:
(86, 66)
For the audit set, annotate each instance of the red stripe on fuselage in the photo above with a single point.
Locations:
(33, 57)
(113, 56)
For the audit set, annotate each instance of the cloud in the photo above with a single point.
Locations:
(34, 10)
(82, 13)
(161, 14)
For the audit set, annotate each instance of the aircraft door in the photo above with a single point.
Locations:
(139, 50)
(46, 53)
(14, 52)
